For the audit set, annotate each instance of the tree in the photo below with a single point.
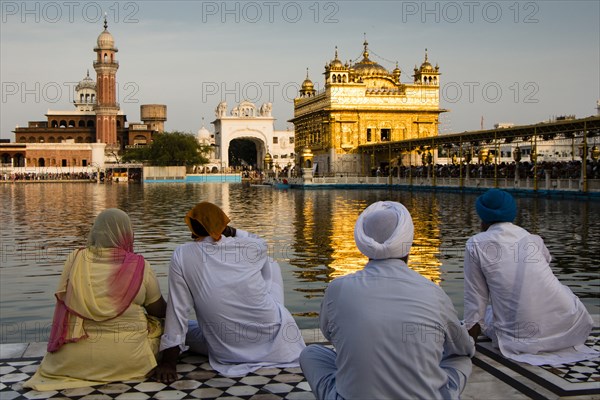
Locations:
(170, 148)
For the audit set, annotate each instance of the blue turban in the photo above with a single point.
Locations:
(496, 206)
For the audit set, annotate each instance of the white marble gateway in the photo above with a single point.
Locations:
(247, 121)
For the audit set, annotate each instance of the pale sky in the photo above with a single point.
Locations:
(506, 61)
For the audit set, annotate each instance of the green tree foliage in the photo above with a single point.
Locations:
(170, 148)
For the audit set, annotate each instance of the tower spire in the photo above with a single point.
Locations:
(105, 22)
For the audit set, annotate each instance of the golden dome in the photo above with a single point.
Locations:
(366, 67)
(307, 84)
(336, 63)
(426, 66)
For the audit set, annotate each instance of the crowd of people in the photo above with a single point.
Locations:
(132, 175)
(524, 170)
(395, 334)
(49, 176)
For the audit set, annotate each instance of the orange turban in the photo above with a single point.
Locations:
(211, 217)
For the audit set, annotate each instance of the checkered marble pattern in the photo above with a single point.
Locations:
(580, 378)
(197, 380)
(583, 371)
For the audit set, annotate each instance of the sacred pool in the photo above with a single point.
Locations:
(309, 232)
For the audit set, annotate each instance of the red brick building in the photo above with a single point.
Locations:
(71, 138)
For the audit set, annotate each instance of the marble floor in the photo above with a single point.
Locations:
(493, 378)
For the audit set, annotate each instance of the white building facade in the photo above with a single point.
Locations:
(247, 122)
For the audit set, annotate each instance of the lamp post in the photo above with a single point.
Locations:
(517, 158)
(533, 158)
(583, 153)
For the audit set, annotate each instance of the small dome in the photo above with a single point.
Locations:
(86, 83)
(307, 84)
(203, 134)
(105, 39)
(336, 63)
(426, 66)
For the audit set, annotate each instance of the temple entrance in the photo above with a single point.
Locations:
(243, 153)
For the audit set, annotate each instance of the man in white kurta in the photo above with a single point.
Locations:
(396, 334)
(511, 294)
(236, 292)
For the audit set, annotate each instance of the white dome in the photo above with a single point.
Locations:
(203, 134)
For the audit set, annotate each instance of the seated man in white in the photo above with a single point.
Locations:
(396, 333)
(511, 294)
(236, 291)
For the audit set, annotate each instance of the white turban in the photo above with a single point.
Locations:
(384, 230)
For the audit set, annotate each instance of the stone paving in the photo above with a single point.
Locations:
(493, 378)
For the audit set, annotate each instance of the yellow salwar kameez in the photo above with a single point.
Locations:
(100, 350)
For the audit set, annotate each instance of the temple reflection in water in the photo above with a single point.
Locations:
(325, 232)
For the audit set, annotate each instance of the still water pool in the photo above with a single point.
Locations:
(309, 232)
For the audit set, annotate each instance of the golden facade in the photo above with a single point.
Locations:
(363, 103)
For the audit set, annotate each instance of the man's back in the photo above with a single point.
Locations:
(391, 328)
(532, 310)
(230, 287)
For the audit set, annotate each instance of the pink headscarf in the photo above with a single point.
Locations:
(110, 242)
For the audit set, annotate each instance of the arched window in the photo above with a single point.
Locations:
(88, 139)
(41, 162)
(81, 98)
(63, 123)
(105, 57)
(5, 158)
(51, 139)
(333, 78)
(71, 124)
(79, 139)
(343, 78)
(31, 139)
(22, 139)
(54, 124)
(19, 160)
(81, 123)
(60, 139)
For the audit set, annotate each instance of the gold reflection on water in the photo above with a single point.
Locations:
(345, 257)
(425, 252)
(338, 250)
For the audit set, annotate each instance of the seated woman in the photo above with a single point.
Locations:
(105, 325)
